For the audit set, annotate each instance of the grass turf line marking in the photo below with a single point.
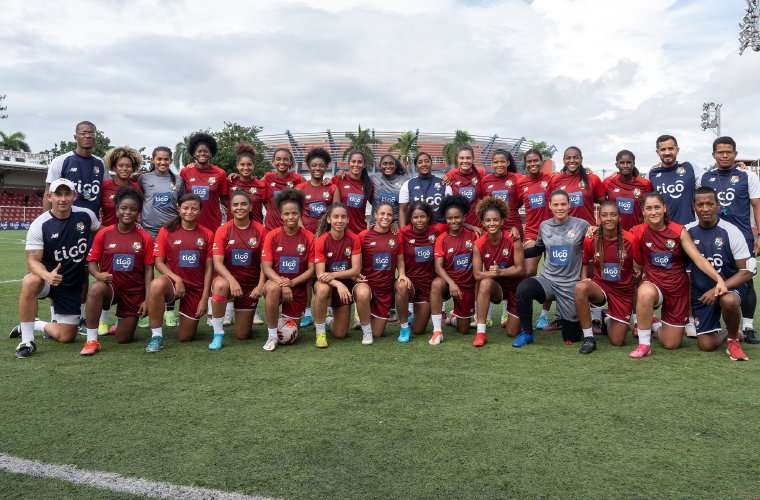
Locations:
(9, 281)
(114, 482)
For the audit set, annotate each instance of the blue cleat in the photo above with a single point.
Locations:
(216, 342)
(155, 344)
(542, 322)
(522, 339)
(307, 320)
(404, 334)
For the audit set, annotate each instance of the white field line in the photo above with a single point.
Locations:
(9, 281)
(114, 482)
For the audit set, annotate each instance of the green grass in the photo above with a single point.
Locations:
(382, 421)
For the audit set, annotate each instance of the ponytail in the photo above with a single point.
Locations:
(324, 221)
(165, 149)
(175, 222)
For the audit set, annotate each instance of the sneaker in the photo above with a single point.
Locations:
(749, 336)
(170, 318)
(588, 346)
(436, 338)
(15, 332)
(504, 318)
(522, 339)
(307, 320)
(489, 323)
(596, 327)
(257, 319)
(144, 322)
(480, 340)
(404, 334)
(90, 347)
(103, 328)
(217, 342)
(734, 351)
(393, 316)
(321, 340)
(329, 320)
(155, 344)
(691, 329)
(553, 326)
(270, 345)
(641, 351)
(228, 321)
(26, 349)
(82, 330)
(542, 322)
(367, 338)
(112, 330)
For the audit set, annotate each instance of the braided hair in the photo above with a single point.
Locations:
(599, 236)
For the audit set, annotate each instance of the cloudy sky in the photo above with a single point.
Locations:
(602, 75)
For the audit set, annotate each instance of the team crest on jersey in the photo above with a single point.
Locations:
(253, 190)
(718, 242)
(211, 180)
(325, 194)
(734, 179)
(670, 244)
(290, 184)
(571, 233)
(505, 252)
(468, 244)
(136, 246)
(96, 170)
(636, 192)
(649, 244)
(80, 227)
(431, 238)
(680, 170)
(252, 242)
(200, 242)
(301, 248)
(391, 243)
(347, 252)
(544, 184)
(509, 183)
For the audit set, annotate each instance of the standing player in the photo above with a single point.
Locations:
(531, 192)
(354, 189)
(610, 260)
(665, 247)
(582, 186)
(183, 257)
(464, 181)
(287, 259)
(738, 192)
(453, 267)
(626, 189)
(675, 181)
(121, 162)
(237, 262)
(56, 246)
(277, 180)
(386, 185)
(121, 261)
(205, 180)
(719, 242)
(502, 184)
(425, 187)
(317, 195)
(246, 182)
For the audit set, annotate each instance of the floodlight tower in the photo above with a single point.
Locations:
(749, 28)
(3, 108)
(711, 116)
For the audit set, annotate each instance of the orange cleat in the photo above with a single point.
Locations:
(641, 351)
(436, 338)
(90, 348)
(480, 340)
(734, 351)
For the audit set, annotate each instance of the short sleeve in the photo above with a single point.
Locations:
(159, 247)
(739, 248)
(34, 240)
(439, 246)
(356, 247)
(448, 191)
(599, 189)
(266, 248)
(96, 249)
(219, 238)
(55, 169)
(753, 185)
(310, 247)
(403, 193)
(224, 184)
(399, 245)
(147, 244)
(319, 249)
(94, 222)
(588, 249)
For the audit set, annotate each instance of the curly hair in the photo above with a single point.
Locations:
(199, 138)
(491, 203)
(455, 201)
(245, 150)
(130, 193)
(115, 154)
(320, 153)
(290, 195)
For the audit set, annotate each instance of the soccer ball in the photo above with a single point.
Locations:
(287, 331)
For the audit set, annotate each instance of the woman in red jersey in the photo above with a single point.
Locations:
(121, 261)
(417, 243)
(611, 262)
(354, 189)
(453, 267)
(337, 261)
(245, 181)
(465, 181)
(497, 264)
(183, 257)
(626, 188)
(237, 262)
(277, 180)
(533, 197)
(381, 256)
(584, 187)
(121, 163)
(287, 259)
(502, 184)
(665, 247)
(205, 180)
(317, 195)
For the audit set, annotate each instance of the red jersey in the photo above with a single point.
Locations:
(469, 187)
(504, 188)
(662, 256)
(274, 184)
(289, 254)
(627, 195)
(336, 254)
(352, 195)
(533, 197)
(125, 256)
(316, 201)
(582, 195)
(379, 254)
(211, 185)
(608, 266)
(256, 190)
(185, 252)
(108, 203)
(418, 252)
(502, 253)
(456, 252)
(241, 248)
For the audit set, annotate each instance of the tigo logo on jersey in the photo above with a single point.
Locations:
(536, 200)
(423, 254)
(381, 261)
(625, 205)
(726, 197)
(502, 195)
(201, 191)
(462, 262)
(75, 253)
(288, 265)
(468, 192)
(355, 200)
(559, 255)
(338, 266)
(576, 199)
(189, 258)
(611, 271)
(123, 262)
(675, 191)
(662, 259)
(241, 257)
(161, 200)
(317, 209)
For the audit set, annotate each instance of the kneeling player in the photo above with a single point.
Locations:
(183, 257)
(56, 245)
(498, 264)
(237, 262)
(723, 245)
(121, 261)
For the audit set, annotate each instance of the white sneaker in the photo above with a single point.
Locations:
(270, 345)
(208, 321)
(691, 329)
(257, 320)
(329, 320)
(367, 338)
(228, 320)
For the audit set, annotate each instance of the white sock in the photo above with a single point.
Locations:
(81, 310)
(367, 329)
(218, 325)
(504, 307)
(633, 318)
(272, 333)
(589, 333)
(27, 332)
(405, 324)
(229, 310)
(490, 310)
(747, 324)
(209, 307)
(52, 313)
(596, 314)
(104, 316)
(645, 336)
(544, 314)
(436, 318)
(156, 332)
(656, 326)
(481, 328)
(410, 308)
(92, 334)
(319, 327)
(39, 326)
(307, 311)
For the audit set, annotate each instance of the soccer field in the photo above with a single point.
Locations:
(381, 421)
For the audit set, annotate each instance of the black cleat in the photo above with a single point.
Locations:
(588, 346)
(749, 336)
(26, 349)
(15, 333)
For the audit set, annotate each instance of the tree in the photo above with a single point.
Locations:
(226, 139)
(102, 145)
(361, 141)
(15, 142)
(181, 155)
(546, 150)
(406, 145)
(461, 138)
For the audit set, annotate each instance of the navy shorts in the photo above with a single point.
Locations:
(707, 317)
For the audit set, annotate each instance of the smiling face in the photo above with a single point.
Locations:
(281, 162)
(388, 166)
(454, 219)
(424, 165)
(384, 216)
(706, 206)
(465, 161)
(625, 165)
(62, 199)
(654, 211)
(500, 164)
(420, 221)
(609, 216)
(127, 211)
(533, 164)
(190, 210)
(355, 165)
(560, 206)
(338, 219)
(124, 168)
(290, 213)
(492, 221)
(572, 160)
(161, 161)
(668, 152)
(245, 166)
(241, 207)
(202, 154)
(317, 168)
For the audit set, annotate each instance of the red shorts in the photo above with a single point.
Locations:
(465, 306)
(188, 304)
(382, 300)
(619, 300)
(245, 302)
(335, 301)
(509, 293)
(674, 302)
(127, 306)
(420, 291)
(295, 308)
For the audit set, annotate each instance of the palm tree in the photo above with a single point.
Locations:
(181, 155)
(15, 142)
(361, 141)
(461, 138)
(406, 145)
(546, 150)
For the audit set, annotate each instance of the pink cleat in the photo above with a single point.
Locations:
(641, 351)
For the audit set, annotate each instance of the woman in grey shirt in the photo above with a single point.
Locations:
(387, 184)
(162, 190)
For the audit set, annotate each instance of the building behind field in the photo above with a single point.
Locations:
(22, 187)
